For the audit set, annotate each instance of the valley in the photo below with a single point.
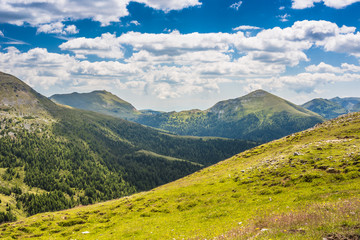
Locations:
(303, 186)
(69, 157)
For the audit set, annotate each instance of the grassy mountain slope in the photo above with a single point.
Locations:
(325, 108)
(98, 101)
(258, 116)
(52, 157)
(304, 186)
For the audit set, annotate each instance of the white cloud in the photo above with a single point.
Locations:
(71, 29)
(174, 64)
(134, 22)
(277, 46)
(284, 17)
(344, 43)
(339, 3)
(326, 68)
(175, 43)
(236, 5)
(303, 82)
(37, 66)
(2, 34)
(302, 4)
(106, 46)
(168, 5)
(42, 69)
(39, 12)
(57, 28)
(323, 68)
(245, 28)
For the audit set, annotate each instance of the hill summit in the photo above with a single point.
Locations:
(98, 101)
(17, 96)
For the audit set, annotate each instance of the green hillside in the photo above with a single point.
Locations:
(98, 101)
(325, 108)
(303, 186)
(258, 116)
(54, 157)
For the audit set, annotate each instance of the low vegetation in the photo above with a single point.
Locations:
(304, 186)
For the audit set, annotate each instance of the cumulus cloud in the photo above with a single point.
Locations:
(38, 12)
(42, 69)
(134, 22)
(245, 28)
(236, 5)
(302, 4)
(303, 82)
(344, 43)
(326, 68)
(57, 28)
(105, 46)
(168, 5)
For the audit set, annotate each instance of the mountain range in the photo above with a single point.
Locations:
(332, 108)
(303, 186)
(98, 101)
(258, 116)
(54, 157)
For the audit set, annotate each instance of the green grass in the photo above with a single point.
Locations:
(304, 186)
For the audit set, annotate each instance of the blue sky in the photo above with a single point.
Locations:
(183, 54)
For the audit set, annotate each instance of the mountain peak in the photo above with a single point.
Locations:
(258, 92)
(100, 101)
(18, 96)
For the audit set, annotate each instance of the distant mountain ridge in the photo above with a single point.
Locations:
(258, 116)
(334, 107)
(98, 101)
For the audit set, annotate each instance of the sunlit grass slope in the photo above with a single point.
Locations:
(304, 186)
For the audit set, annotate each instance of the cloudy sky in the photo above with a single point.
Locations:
(183, 54)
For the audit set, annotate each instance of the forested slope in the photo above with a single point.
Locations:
(303, 186)
(54, 157)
